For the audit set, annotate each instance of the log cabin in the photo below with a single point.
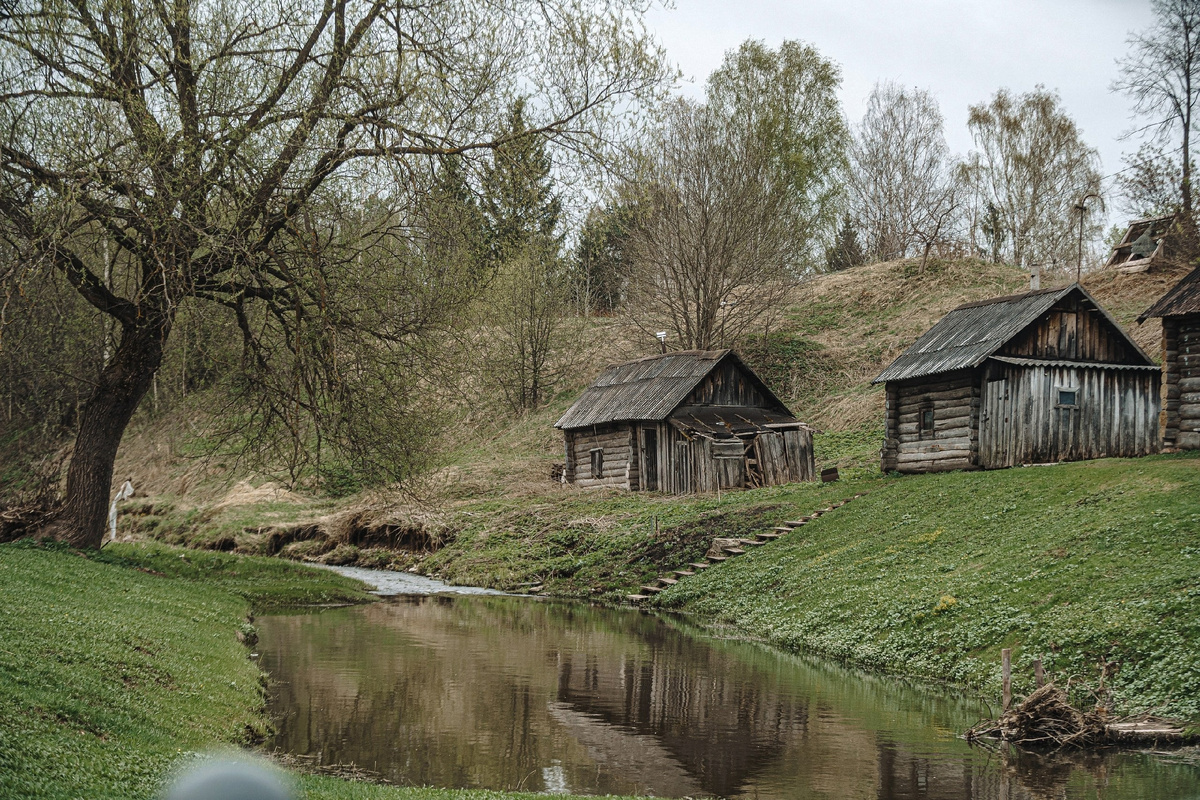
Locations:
(1179, 310)
(684, 422)
(1033, 378)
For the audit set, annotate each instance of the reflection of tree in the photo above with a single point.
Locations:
(491, 691)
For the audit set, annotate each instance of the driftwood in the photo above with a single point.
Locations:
(1045, 719)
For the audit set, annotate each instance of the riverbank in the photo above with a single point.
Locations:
(115, 666)
(931, 576)
(1093, 567)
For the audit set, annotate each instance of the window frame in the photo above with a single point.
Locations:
(1058, 399)
(597, 457)
(923, 410)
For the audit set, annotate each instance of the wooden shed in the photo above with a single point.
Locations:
(684, 422)
(1032, 378)
(1179, 310)
(1145, 243)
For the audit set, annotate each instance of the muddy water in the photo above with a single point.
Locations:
(511, 693)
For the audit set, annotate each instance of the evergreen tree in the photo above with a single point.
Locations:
(519, 202)
(523, 358)
(846, 252)
(601, 264)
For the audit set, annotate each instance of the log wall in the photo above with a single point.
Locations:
(1116, 414)
(1181, 382)
(617, 442)
(952, 444)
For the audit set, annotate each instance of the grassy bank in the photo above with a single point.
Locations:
(1080, 564)
(115, 666)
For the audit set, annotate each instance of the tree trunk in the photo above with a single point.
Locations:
(122, 384)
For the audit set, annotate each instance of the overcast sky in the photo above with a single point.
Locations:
(960, 50)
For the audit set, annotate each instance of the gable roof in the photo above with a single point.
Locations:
(972, 333)
(1182, 298)
(651, 388)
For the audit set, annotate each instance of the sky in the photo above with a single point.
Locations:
(962, 51)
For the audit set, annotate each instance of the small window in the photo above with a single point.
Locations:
(926, 421)
(1067, 398)
(598, 462)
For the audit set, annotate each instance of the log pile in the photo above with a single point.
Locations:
(1045, 719)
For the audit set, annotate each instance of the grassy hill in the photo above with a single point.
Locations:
(1036, 558)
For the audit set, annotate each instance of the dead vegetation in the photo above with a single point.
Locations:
(1044, 719)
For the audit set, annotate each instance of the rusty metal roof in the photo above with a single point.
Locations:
(1183, 298)
(651, 388)
(971, 333)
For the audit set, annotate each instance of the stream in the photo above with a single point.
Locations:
(440, 686)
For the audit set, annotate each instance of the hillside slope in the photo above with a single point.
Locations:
(1080, 565)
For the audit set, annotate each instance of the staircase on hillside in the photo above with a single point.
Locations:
(727, 549)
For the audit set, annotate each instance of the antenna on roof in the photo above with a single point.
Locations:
(662, 340)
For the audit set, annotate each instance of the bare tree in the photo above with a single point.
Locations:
(902, 179)
(1032, 166)
(711, 247)
(219, 150)
(1162, 75)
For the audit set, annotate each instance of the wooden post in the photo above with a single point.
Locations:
(656, 527)
(1039, 675)
(1006, 677)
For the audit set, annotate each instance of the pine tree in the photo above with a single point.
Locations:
(519, 202)
(846, 252)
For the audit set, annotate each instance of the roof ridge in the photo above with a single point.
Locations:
(1008, 298)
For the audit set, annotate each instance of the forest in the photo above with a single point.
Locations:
(335, 234)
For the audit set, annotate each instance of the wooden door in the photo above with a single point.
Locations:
(650, 459)
(996, 426)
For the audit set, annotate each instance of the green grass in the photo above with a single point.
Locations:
(931, 576)
(116, 667)
(605, 543)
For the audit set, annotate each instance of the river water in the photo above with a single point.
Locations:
(482, 691)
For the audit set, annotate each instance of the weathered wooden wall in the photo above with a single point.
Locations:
(954, 441)
(686, 465)
(1181, 383)
(617, 441)
(1072, 332)
(1116, 414)
(727, 386)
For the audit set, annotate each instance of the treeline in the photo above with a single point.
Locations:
(334, 223)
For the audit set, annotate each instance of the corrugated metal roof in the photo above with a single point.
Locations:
(1042, 362)
(971, 333)
(1183, 298)
(649, 388)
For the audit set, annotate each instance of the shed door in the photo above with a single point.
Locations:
(996, 426)
(650, 459)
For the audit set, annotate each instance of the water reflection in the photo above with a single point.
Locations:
(506, 693)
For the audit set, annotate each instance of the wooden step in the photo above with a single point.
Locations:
(751, 542)
(684, 573)
(651, 589)
(797, 523)
(770, 537)
(717, 559)
(667, 581)
(733, 551)
(698, 565)
(637, 598)
(781, 529)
